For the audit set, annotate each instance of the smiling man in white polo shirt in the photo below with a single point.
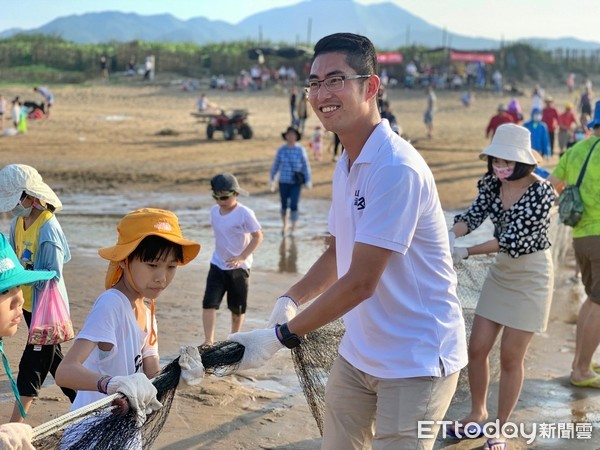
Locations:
(387, 271)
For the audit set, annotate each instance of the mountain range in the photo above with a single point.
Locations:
(386, 24)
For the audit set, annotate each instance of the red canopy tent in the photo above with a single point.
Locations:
(463, 56)
(390, 58)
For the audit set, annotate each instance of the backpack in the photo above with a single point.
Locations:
(570, 204)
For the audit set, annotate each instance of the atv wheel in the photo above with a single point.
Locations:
(210, 130)
(228, 132)
(246, 131)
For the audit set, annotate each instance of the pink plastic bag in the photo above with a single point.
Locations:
(51, 323)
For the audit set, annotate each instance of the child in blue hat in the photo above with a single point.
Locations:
(12, 276)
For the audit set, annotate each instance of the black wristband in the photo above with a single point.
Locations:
(288, 339)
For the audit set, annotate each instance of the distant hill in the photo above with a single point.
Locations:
(388, 25)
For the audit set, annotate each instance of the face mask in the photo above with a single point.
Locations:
(502, 173)
(537, 117)
(21, 211)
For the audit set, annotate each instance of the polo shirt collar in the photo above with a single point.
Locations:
(378, 137)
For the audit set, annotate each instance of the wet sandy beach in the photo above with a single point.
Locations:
(102, 168)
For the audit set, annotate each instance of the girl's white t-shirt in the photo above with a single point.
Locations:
(112, 320)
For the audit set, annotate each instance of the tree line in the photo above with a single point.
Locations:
(50, 58)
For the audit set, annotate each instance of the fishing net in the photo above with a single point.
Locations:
(96, 427)
(314, 358)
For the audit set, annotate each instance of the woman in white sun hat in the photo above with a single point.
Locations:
(516, 295)
(40, 244)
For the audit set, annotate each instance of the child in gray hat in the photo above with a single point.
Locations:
(237, 235)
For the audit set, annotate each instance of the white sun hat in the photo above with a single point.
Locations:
(512, 143)
(16, 178)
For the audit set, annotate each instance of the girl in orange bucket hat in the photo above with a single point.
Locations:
(117, 347)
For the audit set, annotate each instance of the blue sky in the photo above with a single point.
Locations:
(496, 19)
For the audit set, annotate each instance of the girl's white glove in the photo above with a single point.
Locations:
(308, 185)
(140, 393)
(285, 310)
(260, 346)
(192, 370)
(16, 436)
(458, 254)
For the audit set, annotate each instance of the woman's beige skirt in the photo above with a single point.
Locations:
(517, 292)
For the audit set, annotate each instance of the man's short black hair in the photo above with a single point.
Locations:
(359, 50)
(521, 169)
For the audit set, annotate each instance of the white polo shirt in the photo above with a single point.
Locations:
(413, 322)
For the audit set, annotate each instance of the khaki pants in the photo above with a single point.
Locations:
(364, 412)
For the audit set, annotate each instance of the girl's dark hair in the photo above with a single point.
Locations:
(155, 247)
(521, 169)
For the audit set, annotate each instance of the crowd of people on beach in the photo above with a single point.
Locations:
(23, 110)
(388, 269)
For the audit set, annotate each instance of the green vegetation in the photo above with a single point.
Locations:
(52, 59)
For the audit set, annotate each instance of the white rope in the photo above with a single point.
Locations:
(78, 415)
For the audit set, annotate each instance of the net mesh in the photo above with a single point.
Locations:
(98, 428)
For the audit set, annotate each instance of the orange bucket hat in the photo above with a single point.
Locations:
(136, 226)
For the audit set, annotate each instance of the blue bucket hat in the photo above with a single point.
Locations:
(12, 272)
(596, 121)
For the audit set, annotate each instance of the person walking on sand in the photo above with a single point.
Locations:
(586, 241)
(2, 111)
(291, 163)
(430, 110)
(540, 140)
(294, 122)
(302, 111)
(48, 98)
(237, 236)
(316, 143)
(501, 117)
(516, 295)
(566, 125)
(387, 271)
(550, 118)
(38, 240)
(117, 347)
(14, 436)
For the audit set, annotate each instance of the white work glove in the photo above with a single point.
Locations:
(16, 436)
(272, 186)
(260, 346)
(140, 393)
(308, 185)
(458, 254)
(451, 238)
(192, 370)
(285, 310)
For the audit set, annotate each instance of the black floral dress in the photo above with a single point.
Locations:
(521, 229)
(517, 291)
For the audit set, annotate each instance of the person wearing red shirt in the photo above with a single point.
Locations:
(550, 118)
(498, 119)
(566, 122)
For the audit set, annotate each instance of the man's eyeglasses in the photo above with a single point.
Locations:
(223, 197)
(332, 84)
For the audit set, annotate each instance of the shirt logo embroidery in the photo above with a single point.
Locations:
(359, 202)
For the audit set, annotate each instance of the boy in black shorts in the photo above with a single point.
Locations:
(237, 236)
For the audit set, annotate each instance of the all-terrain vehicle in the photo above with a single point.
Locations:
(230, 123)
